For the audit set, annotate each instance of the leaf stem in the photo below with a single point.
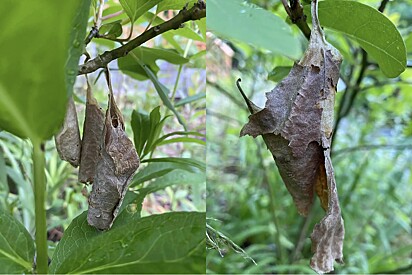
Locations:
(39, 201)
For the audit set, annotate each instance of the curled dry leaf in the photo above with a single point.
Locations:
(296, 125)
(92, 133)
(117, 163)
(67, 140)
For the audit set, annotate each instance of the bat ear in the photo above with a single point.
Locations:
(250, 105)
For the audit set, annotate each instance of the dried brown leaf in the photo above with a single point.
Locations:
(297, 125)
(68, 143)
(92, 133)
(117, 163)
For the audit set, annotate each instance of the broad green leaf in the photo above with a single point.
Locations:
(190, 99)
(186, 161)
(166, 243)
(370, 28)
(77, 36)
(175, 177)
(148, 56)
(111, 30)
(174, 5)
(141, 129)
(248, 23)
(136, 8)
(16, 246)
(278, 73)
(32, 72)
(158, 169)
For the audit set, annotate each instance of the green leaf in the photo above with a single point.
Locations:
(77, 36)
(278, 73)
(148, 56)
(190, 99)
(111, 30)
(182, 139)
(185, 161)
(158, 169)
(251, 24)
(141, 129)
(162, 91)
(32, 72)
(136, 8)
(374, 32)
(174, 5)
(166, 243)
(175, 177)
(16, 246)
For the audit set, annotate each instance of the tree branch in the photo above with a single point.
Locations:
(197, 12)
(297, 16)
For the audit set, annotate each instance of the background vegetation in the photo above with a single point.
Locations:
(164, 110)
(247, 200)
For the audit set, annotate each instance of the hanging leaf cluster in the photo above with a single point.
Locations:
(107, 158)
(296, 125)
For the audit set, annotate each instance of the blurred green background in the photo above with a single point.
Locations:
(372, 154)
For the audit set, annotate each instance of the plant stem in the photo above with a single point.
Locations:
(39, 200)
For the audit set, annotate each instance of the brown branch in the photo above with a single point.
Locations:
(297, 16)
(197, 12)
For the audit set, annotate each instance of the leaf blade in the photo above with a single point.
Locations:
(361, 23)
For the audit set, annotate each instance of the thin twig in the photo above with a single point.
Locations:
(197, 12)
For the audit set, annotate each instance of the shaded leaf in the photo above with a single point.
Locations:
(251, 24)
(16, 246)
(32, 79)
(297, 125)
(111, 30)
(141, 129)
(134, 247)
(370, 28)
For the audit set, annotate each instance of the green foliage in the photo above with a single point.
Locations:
(16, 246)
(136, 8)
(32, 79)
(76, 48)
(371, 157)
(174, 4)
(362, 23)
(278, 73)
(148, 56)
(111, 30)
(250, 24)
(166, 243)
